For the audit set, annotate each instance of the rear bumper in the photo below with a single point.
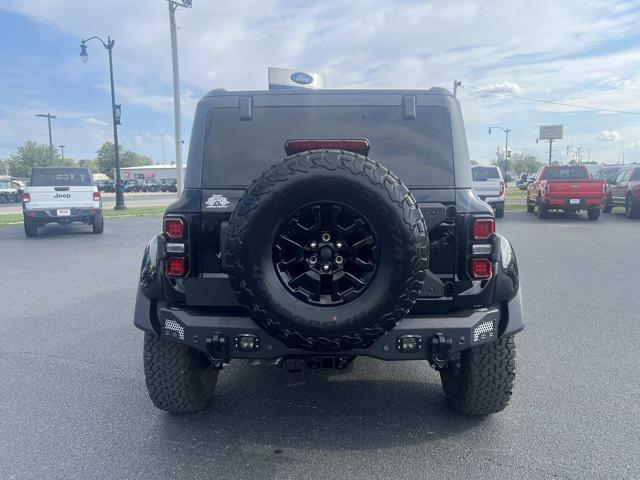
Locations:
(438, 334)
(51, 215)
(565, 202)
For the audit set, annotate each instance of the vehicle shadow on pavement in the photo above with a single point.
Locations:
(55, 230)
(324, 411)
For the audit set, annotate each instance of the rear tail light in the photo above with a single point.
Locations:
(483, 228)
(176, 266)
(501, 187)
(26, 197)
(481, 268)
(174, 227)
(96, 196)
(360, 146)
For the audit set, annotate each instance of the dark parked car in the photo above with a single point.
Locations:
(150, 185)
(318, 227)
(624, 191)
(608, 174)
(168, 185)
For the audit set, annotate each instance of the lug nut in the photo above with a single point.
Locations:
(326, 237)
(313, 259)
(339, 259)
(339, 245)
(326, 267)
(313, 244)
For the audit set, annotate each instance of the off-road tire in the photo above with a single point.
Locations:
(480, 381)
(98, 223)
(499, 212)
(358, 323)
(30, 227)
(631, 208)
(179, 379)
(593, 213)
(542, 209)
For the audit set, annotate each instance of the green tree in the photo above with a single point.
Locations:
(32, 155)
(525, 163)
(106, 162)
(475, 162)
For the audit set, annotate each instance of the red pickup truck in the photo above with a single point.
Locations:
(569, 188)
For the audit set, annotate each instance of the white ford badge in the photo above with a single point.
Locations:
(217, 201)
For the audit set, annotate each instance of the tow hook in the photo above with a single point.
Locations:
(440, 351)
(218, 350)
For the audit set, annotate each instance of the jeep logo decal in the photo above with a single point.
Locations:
(217, 201)
(61, 195)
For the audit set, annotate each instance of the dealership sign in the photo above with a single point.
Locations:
(550, 132)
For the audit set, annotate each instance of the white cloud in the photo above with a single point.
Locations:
(497, 88)
(541, 48)
(608, 136)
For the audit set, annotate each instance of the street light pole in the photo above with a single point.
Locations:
(173, 6)
(114, 114)
(61, 147)
(506, 147)
(48, 116)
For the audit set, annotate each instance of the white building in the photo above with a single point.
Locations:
(157, 172)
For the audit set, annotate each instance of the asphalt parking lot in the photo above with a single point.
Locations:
(73, 403)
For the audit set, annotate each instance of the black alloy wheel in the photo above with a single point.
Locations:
(326, 253)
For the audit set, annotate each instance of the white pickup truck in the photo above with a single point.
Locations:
(489, 186)
(61, 195)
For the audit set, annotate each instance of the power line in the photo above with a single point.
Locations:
(552, 102)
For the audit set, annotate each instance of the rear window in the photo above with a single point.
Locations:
(419, 151)
(60, 177)
(481, 174)
(607, 173)
(565, 173)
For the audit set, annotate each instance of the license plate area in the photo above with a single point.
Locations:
(574, 201)
(63, 212)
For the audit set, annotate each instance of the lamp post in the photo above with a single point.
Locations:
(61, 147)
(578, 149)
(48, 116)
(506, 146)
(115, 113)
(173, 6)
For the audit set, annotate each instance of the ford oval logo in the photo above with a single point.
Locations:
(301, 78)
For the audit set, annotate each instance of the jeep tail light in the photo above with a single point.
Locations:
(501, 187)
(176, 266)
(26, 197)
(96, 196)
(174, 227)
(481, 268)
(483, 228)
(360, 146)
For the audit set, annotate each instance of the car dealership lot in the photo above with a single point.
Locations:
(73, 402)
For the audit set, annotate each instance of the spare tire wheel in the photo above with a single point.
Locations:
(328, 250)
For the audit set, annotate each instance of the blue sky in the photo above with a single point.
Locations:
(582, 52)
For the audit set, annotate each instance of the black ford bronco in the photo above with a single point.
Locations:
(319, 226)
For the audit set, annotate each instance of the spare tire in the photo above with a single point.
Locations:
(328, 250)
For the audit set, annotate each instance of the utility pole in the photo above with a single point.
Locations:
(173, 5)
(456, 84)
(61, 147)
(48, 116)
(506, 147)
(550, 145)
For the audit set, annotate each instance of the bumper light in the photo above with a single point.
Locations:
(483, 331)
(173, 329)
(247, 342)
(409, 343)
